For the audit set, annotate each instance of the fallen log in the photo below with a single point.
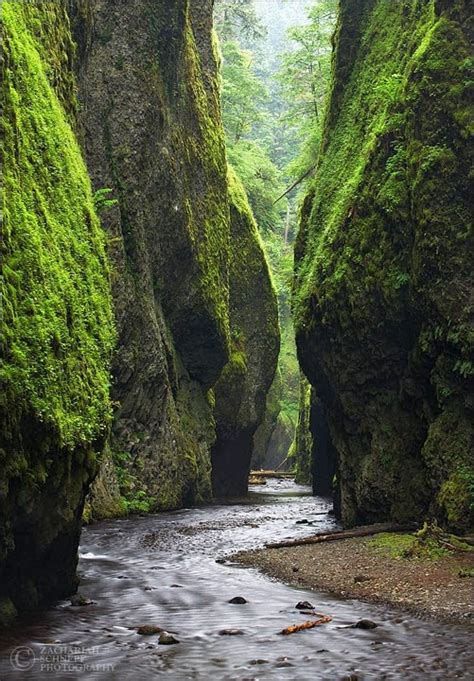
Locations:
(364, 531)
(271, 474)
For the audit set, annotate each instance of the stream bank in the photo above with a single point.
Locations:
(373, 569)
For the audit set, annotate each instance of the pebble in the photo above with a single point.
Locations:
(238, 600)
(361, 578)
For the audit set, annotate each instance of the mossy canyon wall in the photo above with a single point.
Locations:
(115, 338)
(57, 325)
(384, 305)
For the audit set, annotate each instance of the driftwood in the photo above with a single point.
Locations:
(364, 531)
(309, 624)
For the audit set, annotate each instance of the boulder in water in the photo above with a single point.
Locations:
(167, 639)
(304, 605)
(238, 600)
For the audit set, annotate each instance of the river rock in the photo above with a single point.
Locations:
(364, 624)
(238, 600)
(149, 630)
(304, 605)
(167, 639)
(358, 579)
(78, 600)
(231, 632)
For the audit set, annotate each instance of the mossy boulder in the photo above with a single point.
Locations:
(241, 391)
(57, 324)
(384, 263)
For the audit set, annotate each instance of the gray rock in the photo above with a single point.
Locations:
(238, 600)
(167, 639)
(231, 632)
(364, 624)
(79, 600)
(304, 605)
(149, 630)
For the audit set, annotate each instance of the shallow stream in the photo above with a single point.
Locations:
(162, 570)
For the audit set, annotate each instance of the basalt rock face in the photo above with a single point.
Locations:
(241, 391)
(152, 133)
(312, 450)
(302, 445)
(57, 325)
(264, 433)
(384, 264)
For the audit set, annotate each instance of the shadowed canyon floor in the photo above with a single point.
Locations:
(161, 570)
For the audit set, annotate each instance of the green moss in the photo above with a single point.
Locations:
(208, 225)
(456, 497)
(393, 544)
(406, 546)
(57, 325)
(302, 446)
(466, 572)
(8, 612)
(400, 40)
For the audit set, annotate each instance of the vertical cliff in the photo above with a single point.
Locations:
(240, 393)
(384, 263)
(301, 451)
(152, 133)
(138, 87)
(264, 433)
(57, 326)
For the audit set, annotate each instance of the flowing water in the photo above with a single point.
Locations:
(162, 570)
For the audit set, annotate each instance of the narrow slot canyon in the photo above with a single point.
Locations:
(237, 408)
